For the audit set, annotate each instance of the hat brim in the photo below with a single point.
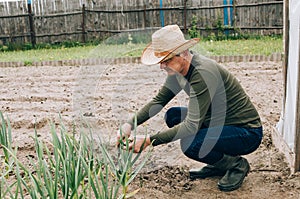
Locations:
(148, 56)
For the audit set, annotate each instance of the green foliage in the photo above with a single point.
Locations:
(68, 167)
(6, 161)
(5, 138)
(124, 170)
(28, 63)
(217, 31)
(15, 46)
(227, 40)
(193, 32)
(3, 48)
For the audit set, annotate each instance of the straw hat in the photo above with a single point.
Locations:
(166, 43)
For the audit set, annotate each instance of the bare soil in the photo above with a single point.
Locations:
(106, 95)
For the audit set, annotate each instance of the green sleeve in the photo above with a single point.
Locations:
(201, 90)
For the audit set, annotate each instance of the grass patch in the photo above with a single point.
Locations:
(261, 46)
(46, 54)
(264, 46)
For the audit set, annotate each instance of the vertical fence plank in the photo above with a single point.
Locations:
(83, 24)
(31, 25)
(249, 20)
(144, 17)
(99, 24)
(127, 16)
(134, 15)
(205, 14)
(237, 20)
(152, 15)
(185, 16)
(262, 13)
(234, 14)
(130, 19)
(139, 18)
(242, 11)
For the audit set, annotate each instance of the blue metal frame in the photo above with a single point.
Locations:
(225, 13)
(228, 21)
(161, 13)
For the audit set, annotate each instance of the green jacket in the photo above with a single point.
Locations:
(216, 98)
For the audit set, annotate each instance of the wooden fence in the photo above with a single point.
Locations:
(41, 21)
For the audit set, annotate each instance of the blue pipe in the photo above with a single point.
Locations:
(161, 12)
(225, 13)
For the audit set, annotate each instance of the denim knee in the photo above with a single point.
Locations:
(186, 148)
(192, 151)
(175, 115)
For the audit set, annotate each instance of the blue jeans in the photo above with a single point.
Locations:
(210, 147)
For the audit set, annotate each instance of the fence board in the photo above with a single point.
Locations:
(60, 20)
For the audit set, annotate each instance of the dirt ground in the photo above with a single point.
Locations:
(106, 95)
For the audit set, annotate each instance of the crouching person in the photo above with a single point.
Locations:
(219, 123)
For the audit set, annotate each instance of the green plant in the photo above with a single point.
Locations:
(123, 169)
(28, 63)
(193, 32)
(5, 138)
(3, 48)
(216, 30)
(70, 167)
(7, 162)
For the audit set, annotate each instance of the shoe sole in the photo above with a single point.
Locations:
(196, 176)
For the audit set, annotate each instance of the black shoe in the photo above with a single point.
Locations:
(235, 175)
(205, 172)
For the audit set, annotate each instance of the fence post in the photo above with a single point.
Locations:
(31, 24)
(145, 21)
(234, 14)
(83, 24)
(184, 16)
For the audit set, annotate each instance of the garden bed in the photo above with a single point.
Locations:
(105, 95)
